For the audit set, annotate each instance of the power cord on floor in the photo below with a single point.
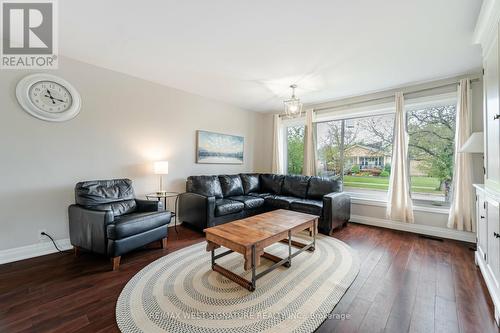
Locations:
(52, 239)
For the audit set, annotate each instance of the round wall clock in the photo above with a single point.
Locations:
(48, 97)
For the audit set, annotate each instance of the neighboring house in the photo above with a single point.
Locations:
(366, 157)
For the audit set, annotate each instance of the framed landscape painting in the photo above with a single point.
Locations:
(217, 148)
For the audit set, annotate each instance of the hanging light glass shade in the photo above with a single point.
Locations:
(293, 106)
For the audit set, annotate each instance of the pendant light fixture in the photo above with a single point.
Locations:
(293, 106)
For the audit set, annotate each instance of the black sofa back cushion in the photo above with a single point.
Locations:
(208, 186)
(295, 186)
(231, 185)
(116, 195)
(98, 192)
(270, 183)
(250, 182)
(319, 186)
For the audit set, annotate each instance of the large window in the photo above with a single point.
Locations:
(295, 149)
(431, 130)
(357, 150)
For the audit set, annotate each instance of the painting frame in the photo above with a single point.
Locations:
(209, 153)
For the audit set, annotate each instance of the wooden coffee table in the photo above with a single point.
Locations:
(250, 236)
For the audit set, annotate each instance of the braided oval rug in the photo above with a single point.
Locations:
(180, 292)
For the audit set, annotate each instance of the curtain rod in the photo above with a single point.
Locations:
(389, 96)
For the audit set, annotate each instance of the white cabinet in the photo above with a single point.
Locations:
(482, 226)
(493, 257)
(488, 241)
(491, 114)
(488, 195)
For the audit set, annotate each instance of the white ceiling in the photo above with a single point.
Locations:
(247, 53)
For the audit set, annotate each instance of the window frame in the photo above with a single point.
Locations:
(389, 109)
(422, 103)
(379, 109)
(379, 112)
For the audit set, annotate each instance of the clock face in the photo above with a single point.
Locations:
(50, 96)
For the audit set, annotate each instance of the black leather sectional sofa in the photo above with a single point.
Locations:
(213, 200)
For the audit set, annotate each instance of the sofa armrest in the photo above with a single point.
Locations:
(87, 228)
(144, 206)
(196, 209)
(336, 211)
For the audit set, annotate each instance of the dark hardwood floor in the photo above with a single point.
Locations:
(406, 284)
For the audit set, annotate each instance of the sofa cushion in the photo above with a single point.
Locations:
(231, 185)
(208, 186)
(295, 186)
(250, 202)
(97, 192)
(314, 207)
(271, 183)
(250, 182)
(226, 206)
(319, 186)
(279, 201)
(119, 207)
(133, 224)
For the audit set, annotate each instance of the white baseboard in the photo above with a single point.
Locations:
(34, 250)
(416, 228)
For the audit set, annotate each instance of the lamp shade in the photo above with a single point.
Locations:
(474, 144)
(161, 167)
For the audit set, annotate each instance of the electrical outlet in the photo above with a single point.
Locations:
(40, 236)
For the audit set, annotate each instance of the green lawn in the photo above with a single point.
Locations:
(418, 184)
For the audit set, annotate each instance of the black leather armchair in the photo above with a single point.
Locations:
(213, 200)
(108, 219)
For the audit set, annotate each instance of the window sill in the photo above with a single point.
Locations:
(358, 200)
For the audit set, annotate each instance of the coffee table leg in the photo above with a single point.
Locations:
(213, 258)
(252, 287)
(289, 248)
(315, 225)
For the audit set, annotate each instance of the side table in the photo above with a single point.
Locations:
(165, 196)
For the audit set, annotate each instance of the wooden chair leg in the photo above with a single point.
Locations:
(164, 243)
(116, 263)
(76, 250)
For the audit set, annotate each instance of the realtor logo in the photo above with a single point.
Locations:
(28, 34)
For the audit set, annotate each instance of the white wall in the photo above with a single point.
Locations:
(125, 124)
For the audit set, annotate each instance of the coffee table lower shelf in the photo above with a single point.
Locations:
(286, 262)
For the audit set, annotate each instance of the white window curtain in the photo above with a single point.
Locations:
(309, 146)
(460, 217)
(278, 157)
(399, 206)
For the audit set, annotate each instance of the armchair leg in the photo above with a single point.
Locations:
(164, 243)
(116, 263)
(76, 250)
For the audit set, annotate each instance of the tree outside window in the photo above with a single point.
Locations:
(431, 131)
(295, 149)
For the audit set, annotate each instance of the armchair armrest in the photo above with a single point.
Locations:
(196, 209)
(336, 211)
(87, 227)
(144, 206)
